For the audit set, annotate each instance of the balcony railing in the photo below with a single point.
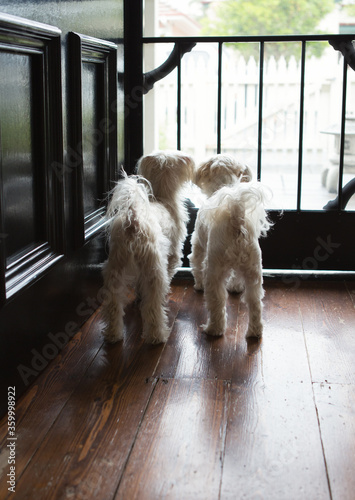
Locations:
(340, 42)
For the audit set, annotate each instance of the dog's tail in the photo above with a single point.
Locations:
(130, 198)
(134, 234)
(245, 205)
(254, 197)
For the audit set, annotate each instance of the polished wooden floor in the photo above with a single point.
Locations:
(198, 418)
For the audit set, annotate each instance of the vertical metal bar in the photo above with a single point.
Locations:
(260, 117)
(133, 81)
(342, 137)
(178, 110)
(300, 136)
(219, 98)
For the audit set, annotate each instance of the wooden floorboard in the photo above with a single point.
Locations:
(179, 450)
(40, 406)
(328, 321)
(336, 410)
(199, 417)
(273, 445)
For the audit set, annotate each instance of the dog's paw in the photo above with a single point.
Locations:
(198, 286)
(212, 330)
(154, 340)
(112, 337)
(235, 287)
(254, 331)
(156, 337)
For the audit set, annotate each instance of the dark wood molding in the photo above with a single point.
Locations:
(41, 43)
(85, 49)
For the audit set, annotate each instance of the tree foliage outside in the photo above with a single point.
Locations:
(268, 17)
(350, 8)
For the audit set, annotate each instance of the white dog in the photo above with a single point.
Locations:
(225, 241)
(147, 227)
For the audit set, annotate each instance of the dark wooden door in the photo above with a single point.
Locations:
(60, 144)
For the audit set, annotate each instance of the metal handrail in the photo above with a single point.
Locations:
(250, 38)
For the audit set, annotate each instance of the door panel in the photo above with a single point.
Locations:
(18, 167)
(92, 148)
(31, 141)
(58, 158)
(94, 138)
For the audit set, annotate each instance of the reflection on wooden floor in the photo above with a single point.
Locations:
(199, 417)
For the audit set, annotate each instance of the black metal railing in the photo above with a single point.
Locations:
(343, 43)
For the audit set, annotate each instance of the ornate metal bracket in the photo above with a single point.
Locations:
(347, 192)
(346, 47)
(179, 50)
(150, 78)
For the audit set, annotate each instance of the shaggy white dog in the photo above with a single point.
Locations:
(225, 248)
(147, 227)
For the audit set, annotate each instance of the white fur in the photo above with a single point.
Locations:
(225, 248)
(221, 170)
(147, 228)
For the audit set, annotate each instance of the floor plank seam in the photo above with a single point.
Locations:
(322, 445)
(329, 382)
(305, 343)
(350, 293)
(314, 397)
(139, 426)
(223, 451)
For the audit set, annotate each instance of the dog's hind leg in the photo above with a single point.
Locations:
(235, 284)
(253, 297)
(153, 289)
(173, 263)
(197, 258)
(215, 297)
(254, 294)
(115, 299)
